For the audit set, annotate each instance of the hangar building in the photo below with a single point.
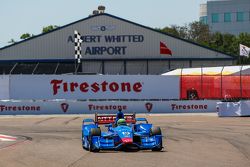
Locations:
(111, 45)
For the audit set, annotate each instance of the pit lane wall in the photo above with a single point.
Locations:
(86, 94)
(15, 107)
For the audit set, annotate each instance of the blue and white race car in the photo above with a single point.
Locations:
(126, 133)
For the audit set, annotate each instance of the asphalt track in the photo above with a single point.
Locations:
(189, 141)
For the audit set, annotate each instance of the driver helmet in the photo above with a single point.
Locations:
(121, 122)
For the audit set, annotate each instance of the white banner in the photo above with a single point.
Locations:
(234, 109)
(107, 107)
(94, 87)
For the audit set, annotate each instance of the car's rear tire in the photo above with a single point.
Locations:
(155, 131)
(93, 132)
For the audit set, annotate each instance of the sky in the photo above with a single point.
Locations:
(30, 16)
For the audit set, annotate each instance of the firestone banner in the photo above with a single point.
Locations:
(107, 107)
(39, 87)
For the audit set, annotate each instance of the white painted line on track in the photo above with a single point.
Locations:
(7, 138)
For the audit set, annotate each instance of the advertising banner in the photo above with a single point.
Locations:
(107, 107)
(93, 87)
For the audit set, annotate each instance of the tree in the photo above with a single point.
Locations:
(178, 31)
(198, 32)
(25, 36)
(171, 30)
(229, 45)
(195, 31)
(244, 38)
(215, 41)
(49, 28)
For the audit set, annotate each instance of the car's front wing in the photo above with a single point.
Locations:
(146, 142)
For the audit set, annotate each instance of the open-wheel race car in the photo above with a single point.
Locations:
(127, 133)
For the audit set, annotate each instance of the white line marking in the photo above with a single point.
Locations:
(7, 138)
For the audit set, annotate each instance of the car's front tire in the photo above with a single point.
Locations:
(158, 148)
(156, 131)
(93, 132)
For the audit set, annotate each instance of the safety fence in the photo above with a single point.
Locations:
(224, 83)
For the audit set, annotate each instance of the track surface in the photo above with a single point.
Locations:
(190, 141)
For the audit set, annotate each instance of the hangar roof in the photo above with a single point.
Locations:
(108, 37)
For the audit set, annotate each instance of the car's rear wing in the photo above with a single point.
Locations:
(110, 118)
(141, 120)
(88, 121)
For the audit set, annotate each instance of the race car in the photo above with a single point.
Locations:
(127, 133)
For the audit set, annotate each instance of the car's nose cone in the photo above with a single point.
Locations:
(127, 140)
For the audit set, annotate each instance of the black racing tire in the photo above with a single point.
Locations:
(155, 131)
(93, 132)
(91, 147)
(158, 148)
(83, 140)
(83, 143)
